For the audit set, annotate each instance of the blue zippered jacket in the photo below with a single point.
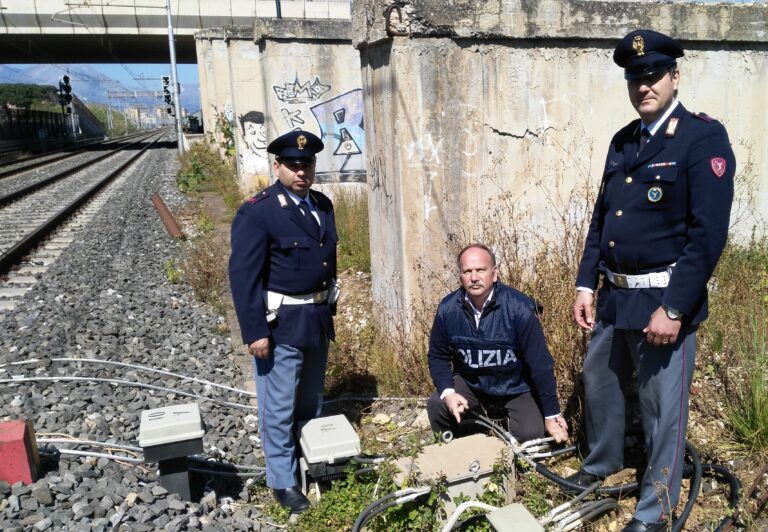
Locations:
(505, 355)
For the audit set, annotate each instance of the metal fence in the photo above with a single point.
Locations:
(28, 124)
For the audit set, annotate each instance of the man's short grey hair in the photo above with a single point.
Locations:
(478, 246)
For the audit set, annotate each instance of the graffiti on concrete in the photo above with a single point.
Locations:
(336, 119)
(342, 130)
(297, 92)
(292, 118)
(253, 155)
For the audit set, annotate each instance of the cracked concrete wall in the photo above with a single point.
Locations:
(487, 114)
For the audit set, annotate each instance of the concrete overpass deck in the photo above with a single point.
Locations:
(131, 31)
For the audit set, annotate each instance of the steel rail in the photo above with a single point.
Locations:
(36, 161)
(25, 190)
(13, 255)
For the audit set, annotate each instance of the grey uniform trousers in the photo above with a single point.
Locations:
(664, 375)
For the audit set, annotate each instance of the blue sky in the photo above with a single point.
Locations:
(125, 73)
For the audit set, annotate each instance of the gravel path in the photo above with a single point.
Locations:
(108, 298)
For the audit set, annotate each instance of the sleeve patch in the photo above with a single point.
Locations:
(718, 165)
(703, 116)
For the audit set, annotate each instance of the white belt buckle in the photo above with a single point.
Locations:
(319, 297)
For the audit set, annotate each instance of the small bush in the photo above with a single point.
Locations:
(189, 179)
(205, 268)
(203, 170)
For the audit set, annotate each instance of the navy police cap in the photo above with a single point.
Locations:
(296, 145)
(645, 52)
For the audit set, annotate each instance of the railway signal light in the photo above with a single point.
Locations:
(167, 96)
(65, 90)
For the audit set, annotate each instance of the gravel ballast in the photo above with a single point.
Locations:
(108, 298)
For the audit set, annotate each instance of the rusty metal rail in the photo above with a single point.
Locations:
(165, 215)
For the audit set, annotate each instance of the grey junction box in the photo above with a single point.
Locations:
(168, 435)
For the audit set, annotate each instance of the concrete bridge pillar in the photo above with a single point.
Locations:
(280, 75)
(490, 121)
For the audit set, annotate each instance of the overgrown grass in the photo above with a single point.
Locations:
(354, 250)
(203, 170)
(735, 340)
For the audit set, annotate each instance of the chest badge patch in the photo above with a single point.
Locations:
(718, 165)
(655, 194)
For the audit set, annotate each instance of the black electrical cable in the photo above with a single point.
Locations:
(735, 495)
(362, 517)
(376, 508)
(697, 470)
(695, 487)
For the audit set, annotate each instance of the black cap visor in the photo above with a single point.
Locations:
(649, 69)
(296, 160)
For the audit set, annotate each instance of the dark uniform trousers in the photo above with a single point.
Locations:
(668, 204)
(276, 248)
(522, 413)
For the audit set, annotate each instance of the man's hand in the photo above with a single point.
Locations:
(260, 348)
(456, 404)
(557, 428)
(661, 330)
(582, 310)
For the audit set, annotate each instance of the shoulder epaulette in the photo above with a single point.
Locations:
(258, 197)
(702, 116)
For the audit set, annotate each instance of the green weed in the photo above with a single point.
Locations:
(205, 223)
(171, 272)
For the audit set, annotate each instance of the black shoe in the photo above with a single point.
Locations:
(292, 499)
(638, 526)
(581, 478)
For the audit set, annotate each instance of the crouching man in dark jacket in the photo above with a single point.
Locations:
(487, 350)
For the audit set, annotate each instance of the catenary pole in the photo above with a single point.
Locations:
(174, 80)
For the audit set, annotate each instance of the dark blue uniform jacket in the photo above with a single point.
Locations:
(669, 204)
(502, 356)
(275, 247)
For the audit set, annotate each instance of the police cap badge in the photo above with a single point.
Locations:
(296, 146)
(645, 52)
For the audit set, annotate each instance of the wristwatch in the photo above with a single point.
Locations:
(672, 314)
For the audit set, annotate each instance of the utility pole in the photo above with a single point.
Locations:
(110, 125)
(174, 79)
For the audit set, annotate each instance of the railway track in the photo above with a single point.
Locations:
(42, 212)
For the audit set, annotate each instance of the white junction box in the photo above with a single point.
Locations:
(167, 436)
(327, 445)
(169, 424)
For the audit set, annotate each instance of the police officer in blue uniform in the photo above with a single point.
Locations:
(658, 228)
(282, 273)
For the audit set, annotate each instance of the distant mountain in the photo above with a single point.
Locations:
(91, 85)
